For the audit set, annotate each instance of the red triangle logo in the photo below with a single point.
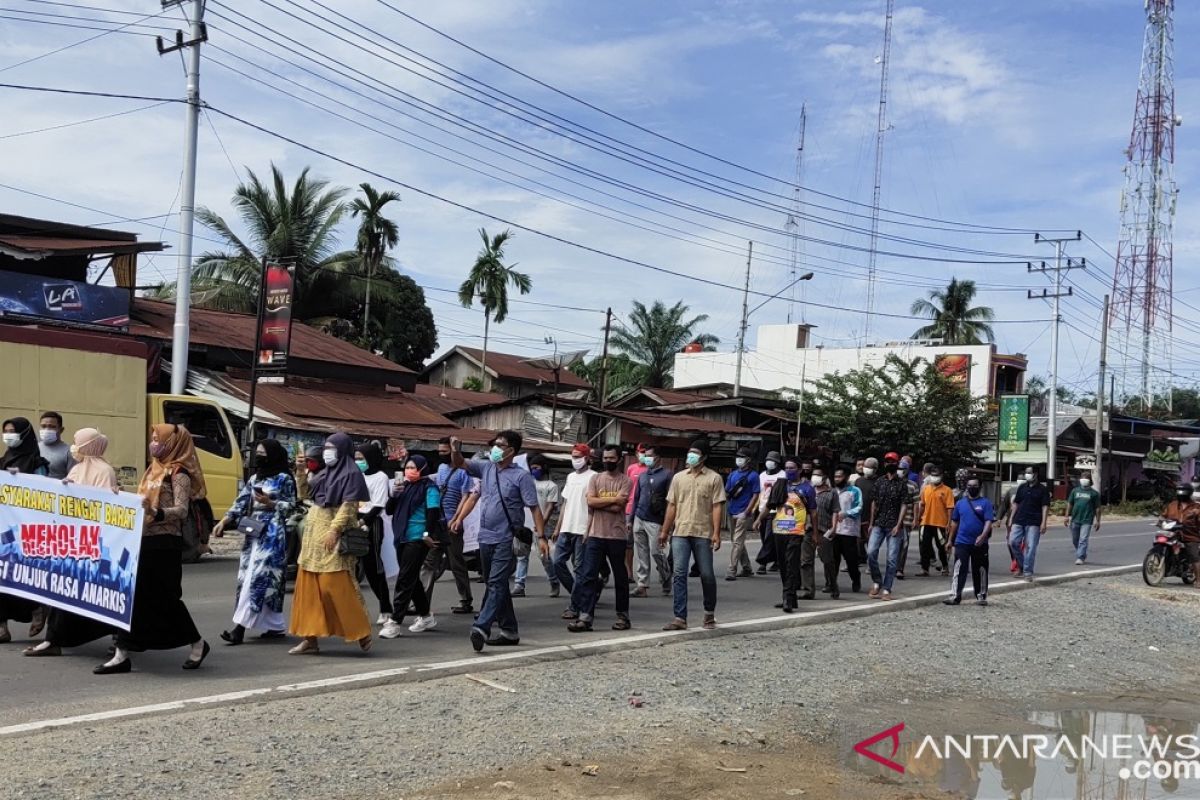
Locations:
(891, 734)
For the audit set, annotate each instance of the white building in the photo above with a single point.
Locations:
(783, 359)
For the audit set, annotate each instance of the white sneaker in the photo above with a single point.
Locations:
(423, 624)
(391, 630)
(1079, 562)
(383, 619)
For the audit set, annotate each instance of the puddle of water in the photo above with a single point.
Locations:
(1062, 755)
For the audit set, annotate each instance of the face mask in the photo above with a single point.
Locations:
(1030, 477)
(157, 449)
(772, 466)
(49, 436)
(973, 491)
(693, 459)
(1184, 495)
(818, 480)
(868, 472)
(260, 461)
(536, 472)
(905, 467)
(362, 465)
(12, 439)
(792, 474)
(1085, 482)
(1196, 497)
(75, 452)
(935, 479)
(412, 474)
(741, 463)
(313, 465)
(444, 458)
(840, 483)
(612, 466)
(329, 457)
(890, 469)
(578, 463)
(497, 454)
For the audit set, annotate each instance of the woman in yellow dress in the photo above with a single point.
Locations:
(327, 601)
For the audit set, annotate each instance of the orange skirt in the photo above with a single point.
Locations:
(329, 604)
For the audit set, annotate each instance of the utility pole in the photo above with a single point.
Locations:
(1058, 269)
(604, 359)
(882, 127)
(187, 203)
(741, 345)
(1099, 472)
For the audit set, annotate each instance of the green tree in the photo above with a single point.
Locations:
(376, 235)
(488, 282)
(624, 374)
(954, 321)
(655, 335)
(903, 405)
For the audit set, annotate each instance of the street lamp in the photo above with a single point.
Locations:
(741, 346)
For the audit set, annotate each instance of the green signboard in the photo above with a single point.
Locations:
(1014, 423)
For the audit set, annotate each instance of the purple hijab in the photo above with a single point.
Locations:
(340, 482)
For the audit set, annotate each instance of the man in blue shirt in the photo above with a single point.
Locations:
(970, 529)
(1027, 525)
(742, 488)
(649, 510)
(505, 491)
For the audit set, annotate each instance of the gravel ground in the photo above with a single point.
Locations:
(819, 687)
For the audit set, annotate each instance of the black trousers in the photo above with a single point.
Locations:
(372, 564)
(808, 559)
(448, 555)
(408, 584)
(931, 545)
(976, 558)
(843, 548)
(160, 619)
(787, 555)
(766, 553)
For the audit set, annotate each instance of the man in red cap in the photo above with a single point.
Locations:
(573, 518)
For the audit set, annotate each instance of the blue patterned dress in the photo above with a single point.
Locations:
(260, 581)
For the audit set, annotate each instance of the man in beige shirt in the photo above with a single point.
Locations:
(695, 511)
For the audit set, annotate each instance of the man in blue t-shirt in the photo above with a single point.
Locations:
(742, 489)
(1027, 525)
(970, 529)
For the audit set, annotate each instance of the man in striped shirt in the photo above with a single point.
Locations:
(460, 493)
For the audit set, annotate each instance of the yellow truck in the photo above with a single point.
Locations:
(99, 380)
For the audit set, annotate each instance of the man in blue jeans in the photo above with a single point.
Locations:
(1027, 524)
(695, 511)
(573, 521)
(607, 496)
(1083, 516)
(505, 491)
(887, 524)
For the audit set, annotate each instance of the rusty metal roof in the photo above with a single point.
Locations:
(506, 366)
(683, 423)
(155, 319)
(340, 403)
(447, 399)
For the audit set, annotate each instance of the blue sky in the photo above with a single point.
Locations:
(1007, 114)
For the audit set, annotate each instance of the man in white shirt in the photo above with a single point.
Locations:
(573, 521)
(766, 479)
(548, 497)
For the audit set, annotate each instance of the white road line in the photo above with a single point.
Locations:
(493, 659)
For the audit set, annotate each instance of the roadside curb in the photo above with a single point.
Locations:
(508, 659)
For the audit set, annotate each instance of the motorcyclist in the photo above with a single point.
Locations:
(1185, 512)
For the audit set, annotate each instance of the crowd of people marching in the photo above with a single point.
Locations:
(609, 524)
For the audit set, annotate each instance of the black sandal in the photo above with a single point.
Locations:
(194, 663)
(233, 639)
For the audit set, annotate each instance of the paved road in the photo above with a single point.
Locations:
(45, 688)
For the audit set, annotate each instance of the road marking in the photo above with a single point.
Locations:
(494, 660)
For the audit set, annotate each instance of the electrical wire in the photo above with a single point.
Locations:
(80, 121)
(118, 29)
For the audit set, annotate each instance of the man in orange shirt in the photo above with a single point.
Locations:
(937, 501)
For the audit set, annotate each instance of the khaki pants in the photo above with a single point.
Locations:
(739, 528)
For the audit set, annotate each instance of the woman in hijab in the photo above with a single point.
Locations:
(161, 621)
(265, 502)
(417, 527)
(64, 629)
(379, 568)
(327, 601)
(22, 455)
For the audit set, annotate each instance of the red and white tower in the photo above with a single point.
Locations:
(1141, 314)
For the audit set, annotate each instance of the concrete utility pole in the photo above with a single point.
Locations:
(741, 345)
(1058, 269)
(604, 359)
(1099, 471)
(187, 203)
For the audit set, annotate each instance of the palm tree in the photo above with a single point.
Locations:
(488, 280)
(954, 320)
(656, 334)
(376, 234)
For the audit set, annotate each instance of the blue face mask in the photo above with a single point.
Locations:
(496, 454)
(792, 474)
(537, 473)
(693, 459)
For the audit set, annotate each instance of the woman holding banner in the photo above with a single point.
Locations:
(327, 601)
(64, 629)
(260, 513)
(22, 455)
(161, 621)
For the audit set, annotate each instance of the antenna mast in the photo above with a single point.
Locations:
(792, 226)
(881, 129)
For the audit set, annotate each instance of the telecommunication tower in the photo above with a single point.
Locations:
(881, 129)
(792, 226)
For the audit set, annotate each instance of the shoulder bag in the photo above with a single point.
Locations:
(355, 541)
(520, 532)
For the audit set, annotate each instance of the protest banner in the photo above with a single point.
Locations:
(69, 546)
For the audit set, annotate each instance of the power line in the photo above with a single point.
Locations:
(80, 121)
(118, 29)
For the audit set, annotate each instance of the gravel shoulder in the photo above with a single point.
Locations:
(784, 706)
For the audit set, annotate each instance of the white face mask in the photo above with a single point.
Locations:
(578, 464)
(12, 439)
(330, 457)
(868, 472)
(818, 480)
(741, 462)
(1030, 477)
(1085, 482)
(49, 436)
(935, 479)
(1196, 497)
(772, 466)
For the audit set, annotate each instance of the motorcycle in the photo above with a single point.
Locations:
(1167, 557)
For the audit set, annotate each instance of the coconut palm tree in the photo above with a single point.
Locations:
(656, 334)
(376, 234)
(954, 321)
(488, 281)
